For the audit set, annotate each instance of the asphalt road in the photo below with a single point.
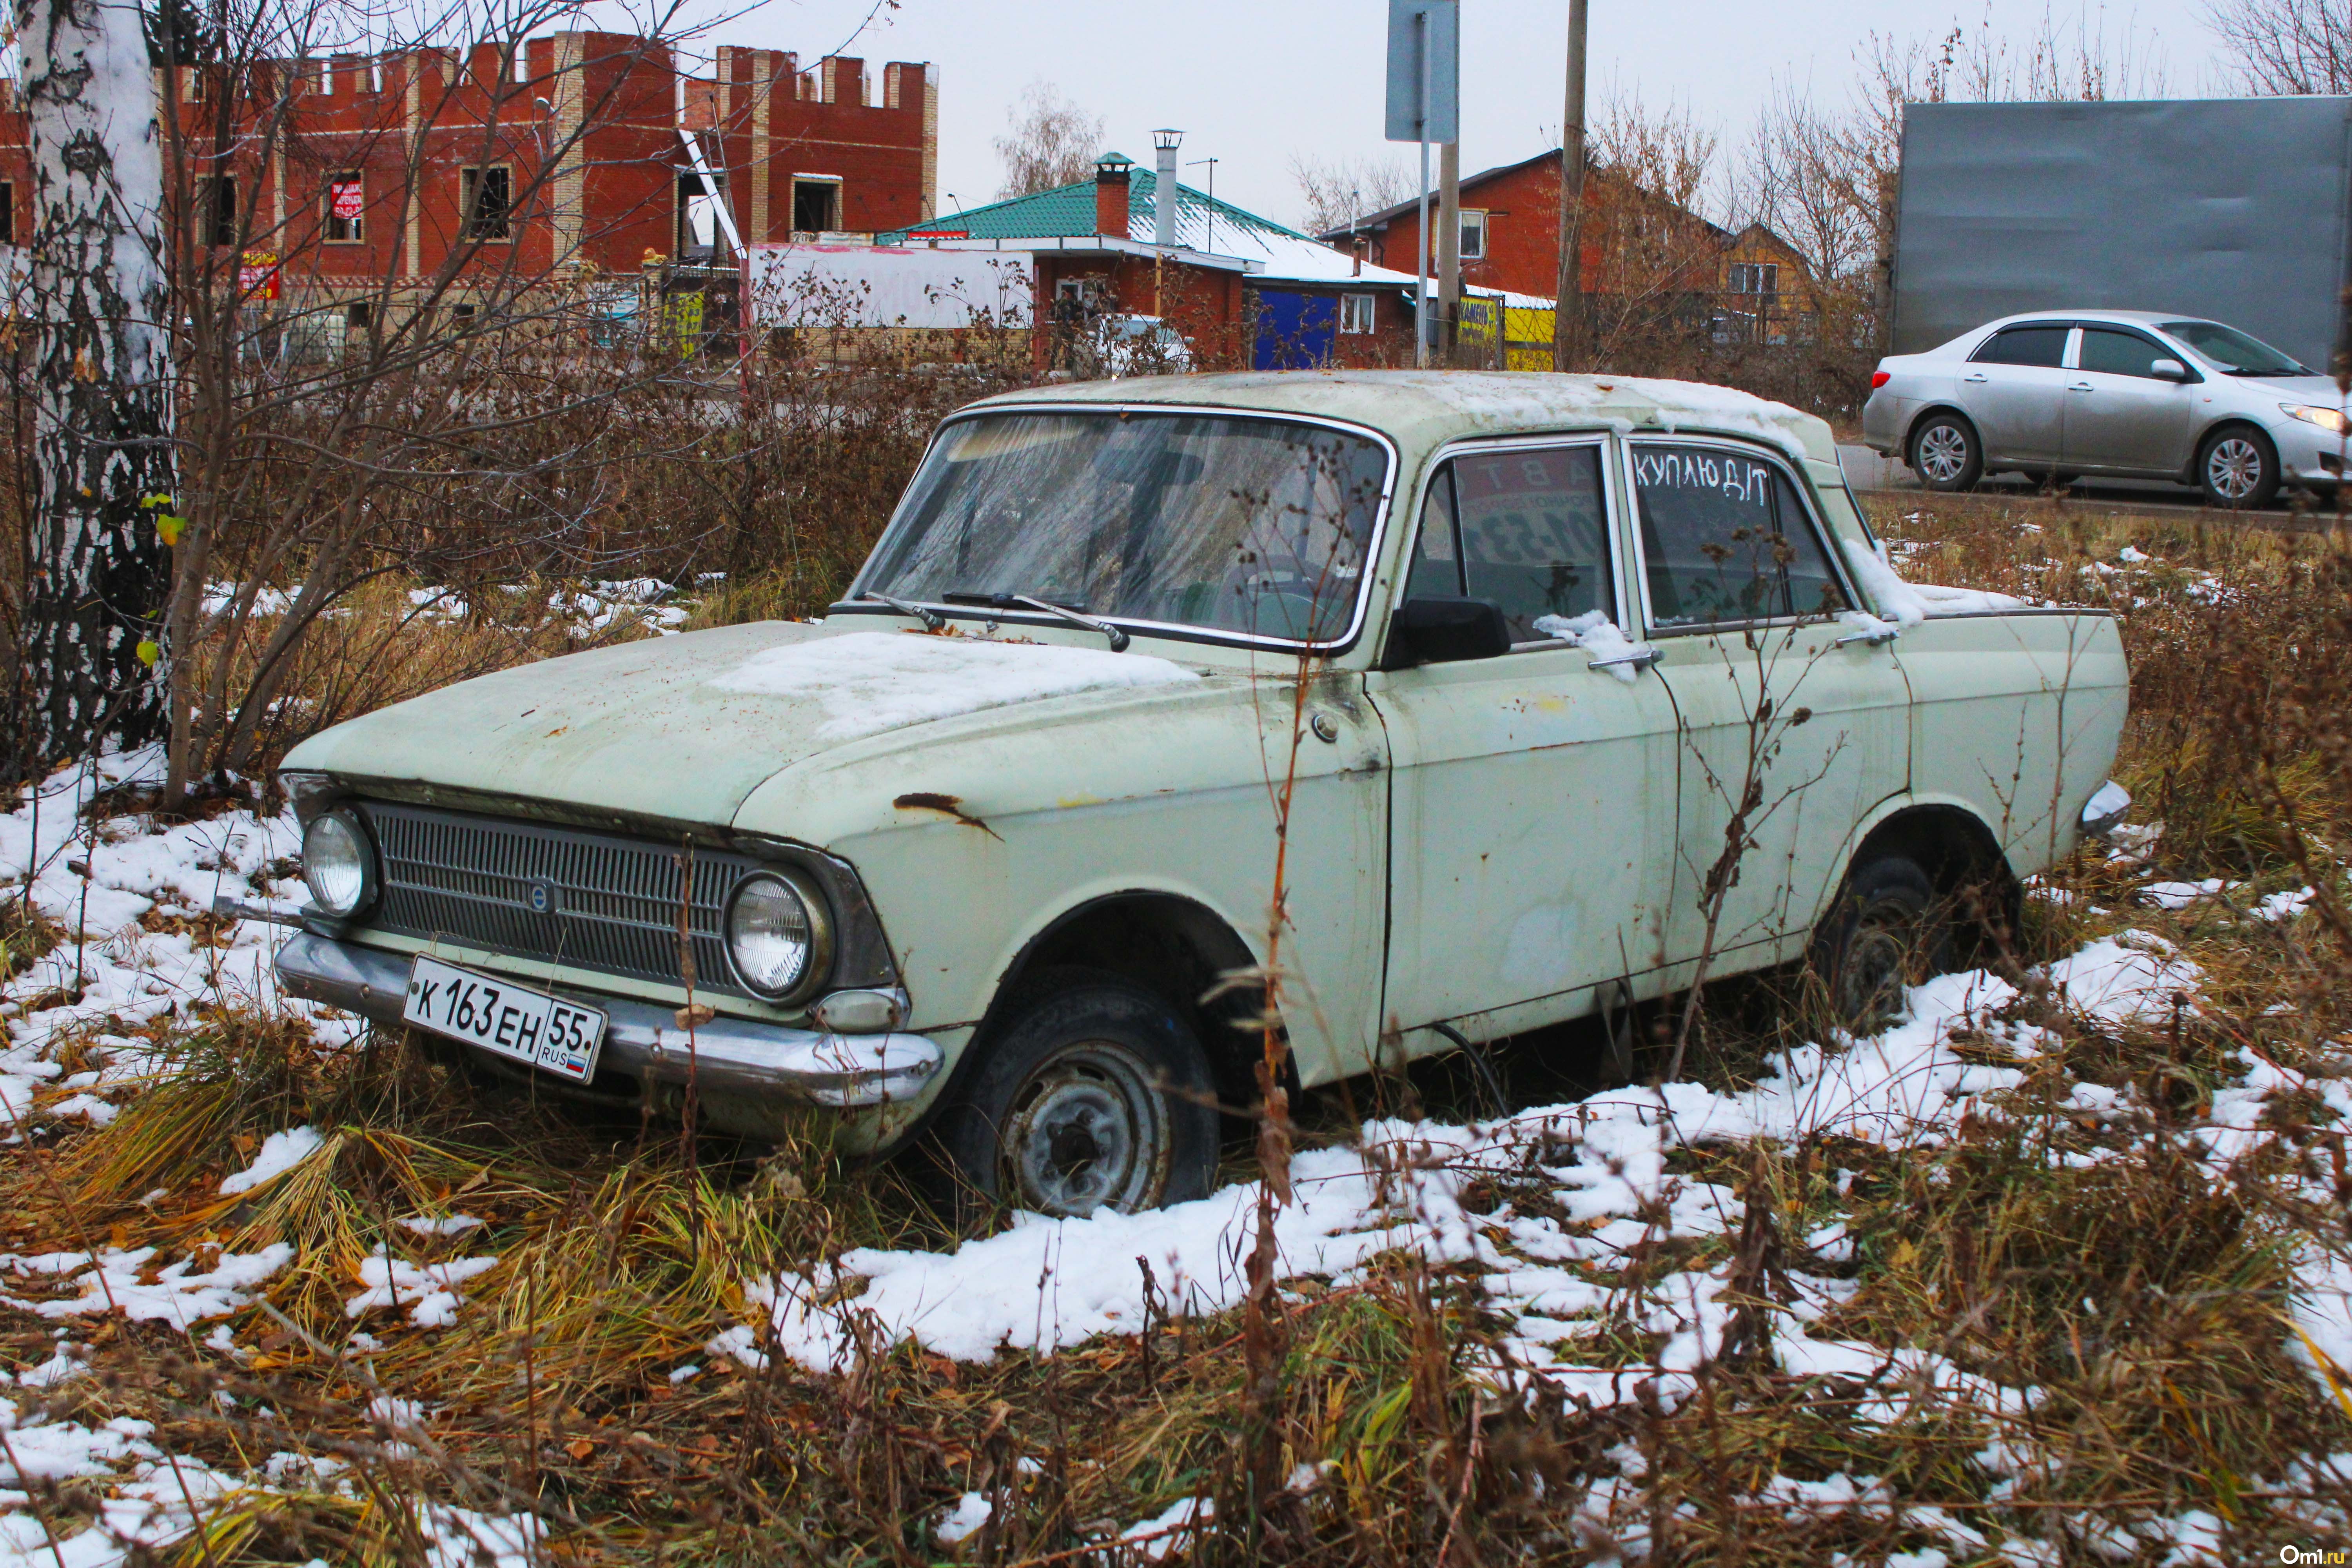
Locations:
(1867, 471)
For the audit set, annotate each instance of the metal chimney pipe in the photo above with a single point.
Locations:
(1164, 188)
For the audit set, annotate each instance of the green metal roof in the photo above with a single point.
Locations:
(1069, 212)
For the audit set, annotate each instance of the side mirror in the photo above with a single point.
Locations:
(1445, 631)
(2168, 370)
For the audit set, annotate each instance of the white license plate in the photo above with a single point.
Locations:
(501, 1016)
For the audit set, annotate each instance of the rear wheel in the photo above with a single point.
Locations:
(1096, 1095)
(1882, 934)
(1946, 453)
(2238, 469)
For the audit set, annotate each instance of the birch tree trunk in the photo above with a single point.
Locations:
(92, 672)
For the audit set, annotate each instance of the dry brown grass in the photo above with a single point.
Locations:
(2144, 1293)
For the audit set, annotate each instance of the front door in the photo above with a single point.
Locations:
(2015, 387)
(1523, 852)
(2120, 416)
(1793, 722)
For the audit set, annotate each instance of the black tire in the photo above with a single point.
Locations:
(1946, 452)
(1881, 933)
(2238, 469)
(1094, 1093)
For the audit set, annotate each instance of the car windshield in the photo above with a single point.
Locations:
(1258, 526)
(2232, 351)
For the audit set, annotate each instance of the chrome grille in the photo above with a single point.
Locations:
(611, 902)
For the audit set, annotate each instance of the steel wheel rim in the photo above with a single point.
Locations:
(1943, 454)
(2233, 469)
(1087, 1131)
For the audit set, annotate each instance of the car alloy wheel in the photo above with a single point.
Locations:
(1944, 454)
(2233, 469)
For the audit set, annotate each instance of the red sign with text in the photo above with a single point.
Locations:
(258, 277)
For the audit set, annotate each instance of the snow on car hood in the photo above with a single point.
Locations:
(686, 727)
(867, 682)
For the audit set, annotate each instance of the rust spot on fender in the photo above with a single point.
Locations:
(945, 805)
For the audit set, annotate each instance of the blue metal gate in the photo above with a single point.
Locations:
(1294, 331)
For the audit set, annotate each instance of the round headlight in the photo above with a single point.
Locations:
(775, 933)
(337, 864)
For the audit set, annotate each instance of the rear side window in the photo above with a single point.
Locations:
(2043, 346)
(1527, 529)
(2120, 353)
(1725, 537)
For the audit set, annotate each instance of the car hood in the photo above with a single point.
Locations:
(2314, 389)
(685, 728)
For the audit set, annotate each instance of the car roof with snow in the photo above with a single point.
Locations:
(1419, 409)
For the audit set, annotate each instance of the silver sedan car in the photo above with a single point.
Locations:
(2115, 394)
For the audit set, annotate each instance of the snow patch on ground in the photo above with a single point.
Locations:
(280, 1153)
(1044, 1285)
(429, 1291)
(131, 1284)
(111, 977)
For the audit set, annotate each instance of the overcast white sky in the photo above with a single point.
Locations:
(1253, 82)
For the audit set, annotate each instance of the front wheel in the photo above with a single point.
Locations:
(1094, 1095)
(1946, 453)
(2238, 469)
(1880, 935)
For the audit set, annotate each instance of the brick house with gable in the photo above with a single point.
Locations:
(1746, 286)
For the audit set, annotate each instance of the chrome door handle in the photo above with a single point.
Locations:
(1876, 638)
(1978, 377)
(2080, 387)
(1640, 658)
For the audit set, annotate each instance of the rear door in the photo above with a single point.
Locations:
(2120, 418)
(2014, 388)
(1524, 826)
(1793, 723)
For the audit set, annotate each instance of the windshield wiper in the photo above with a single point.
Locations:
(932, 620)
(1117, 638)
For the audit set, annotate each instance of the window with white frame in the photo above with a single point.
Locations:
(1356, 313)
(1754, 278)
(1474, 234)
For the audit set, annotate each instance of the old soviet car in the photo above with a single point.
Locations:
(1510, 658)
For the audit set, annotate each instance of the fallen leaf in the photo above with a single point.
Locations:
(580, 1448)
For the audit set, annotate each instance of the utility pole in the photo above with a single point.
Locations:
(1566, 304)
(1449, 244)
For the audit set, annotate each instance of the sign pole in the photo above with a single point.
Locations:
(1420, 264)
(1424, 99)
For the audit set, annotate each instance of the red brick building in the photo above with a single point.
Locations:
(507, 168)
(1632, 242)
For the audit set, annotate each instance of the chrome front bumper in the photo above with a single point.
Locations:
(724, 1055)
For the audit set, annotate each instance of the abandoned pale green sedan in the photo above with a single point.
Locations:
(1538, 695)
